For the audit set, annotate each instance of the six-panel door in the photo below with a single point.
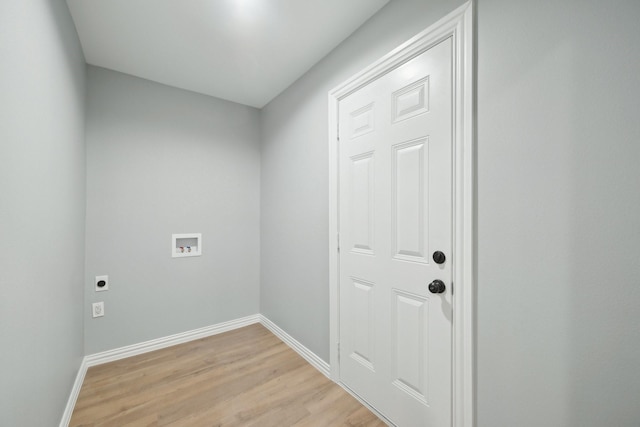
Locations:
(395, 156)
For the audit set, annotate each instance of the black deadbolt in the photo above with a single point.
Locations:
(101, 283)
(437, 287)
(439, 257)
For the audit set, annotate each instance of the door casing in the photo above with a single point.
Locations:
(459, 25)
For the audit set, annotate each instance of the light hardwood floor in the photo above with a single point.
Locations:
(245, 377)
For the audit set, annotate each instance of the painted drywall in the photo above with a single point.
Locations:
(558, 205)
(162, 160)
(294, 192)
(559, 213)
(42, 210)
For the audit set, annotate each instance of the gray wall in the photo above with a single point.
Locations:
(294, 232)
(42, 208)
(559, 213)
(162, 160)
(559, 204)
(558, 187)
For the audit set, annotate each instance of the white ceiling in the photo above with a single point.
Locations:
(246, 51)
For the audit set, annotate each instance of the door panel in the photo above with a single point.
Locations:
(362, 195)
(410, 342)
(362, 121)
(410, 200)
(363, 315)
(411, 100)
(395, 157)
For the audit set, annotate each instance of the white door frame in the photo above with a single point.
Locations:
(458, 25)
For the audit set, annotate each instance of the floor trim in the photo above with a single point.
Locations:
(303, 351)
(171, 340)
(75, 391)
(145, 347)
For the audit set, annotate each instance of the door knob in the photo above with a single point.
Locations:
(437, 287)
(439, 257)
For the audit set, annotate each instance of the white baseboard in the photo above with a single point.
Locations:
(164, 342)
(303, 351)
(316, 362)
(145, 347)
(75, 391)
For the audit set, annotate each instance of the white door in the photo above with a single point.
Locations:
(395, 156)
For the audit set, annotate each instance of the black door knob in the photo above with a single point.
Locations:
(439, 257)
(437, 287)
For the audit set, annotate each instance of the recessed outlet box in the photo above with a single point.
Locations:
(97, 309)
(186, 244)
(102, 283)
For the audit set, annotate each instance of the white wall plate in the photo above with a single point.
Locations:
(186, 244)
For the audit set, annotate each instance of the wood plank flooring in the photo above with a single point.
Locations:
(245, 377)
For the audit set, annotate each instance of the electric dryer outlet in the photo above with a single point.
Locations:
(101, 283)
